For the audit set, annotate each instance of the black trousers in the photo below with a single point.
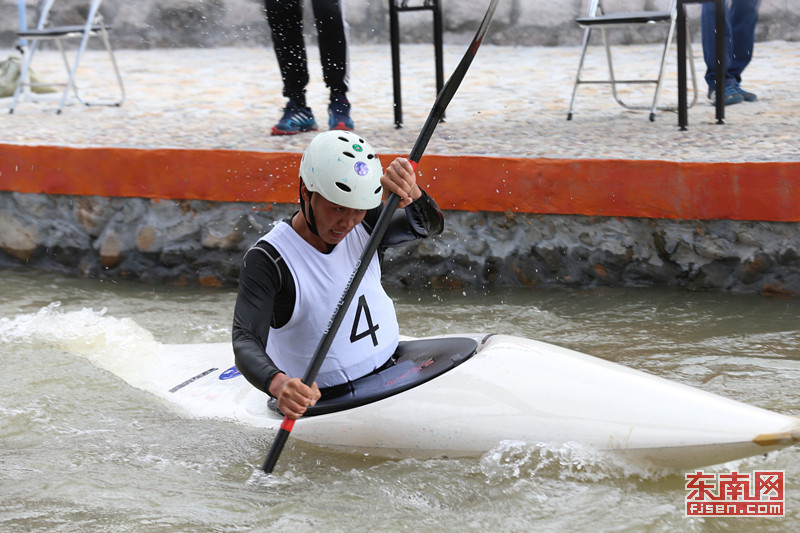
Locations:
(285, 18)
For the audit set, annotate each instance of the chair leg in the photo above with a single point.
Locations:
(690, 55)
(660, 80)
(586, 35)
(394, 37)
(72, 70)
(113, 59)
(612, 80)
(116, 68)
(438, 47)
(24, 76)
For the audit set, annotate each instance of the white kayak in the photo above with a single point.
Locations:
(511, 389)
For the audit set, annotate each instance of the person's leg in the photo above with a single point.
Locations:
(709, 34)
(708, 25)
(333, 32)
(285, 18)
(743, 17)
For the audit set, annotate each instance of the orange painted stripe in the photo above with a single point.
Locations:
(596, 187)
(217, 175)
(625, 188)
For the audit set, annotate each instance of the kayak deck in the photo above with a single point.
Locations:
(417, 362)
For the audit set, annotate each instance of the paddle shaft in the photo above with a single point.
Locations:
(434, 117)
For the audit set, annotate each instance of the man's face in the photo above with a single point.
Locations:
(333, 221)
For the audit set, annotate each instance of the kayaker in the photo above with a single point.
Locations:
(293, 277)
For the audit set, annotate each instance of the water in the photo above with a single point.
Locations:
(80, 450)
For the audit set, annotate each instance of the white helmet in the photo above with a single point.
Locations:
(344, 169)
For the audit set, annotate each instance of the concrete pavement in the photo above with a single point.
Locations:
(513, 102)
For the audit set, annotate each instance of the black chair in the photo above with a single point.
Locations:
(399, 6)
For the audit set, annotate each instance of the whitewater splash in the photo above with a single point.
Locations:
(566, 461)
(114, 344)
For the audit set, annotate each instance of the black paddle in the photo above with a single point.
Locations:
(435, 115)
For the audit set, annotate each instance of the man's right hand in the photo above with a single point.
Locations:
(294, 396)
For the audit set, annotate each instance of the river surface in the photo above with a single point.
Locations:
(81, 450)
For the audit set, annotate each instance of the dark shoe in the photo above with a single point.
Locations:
(295, 119)
(747, 95)
(339, 112)
(732, 96)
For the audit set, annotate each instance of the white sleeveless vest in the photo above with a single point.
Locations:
(368, 334)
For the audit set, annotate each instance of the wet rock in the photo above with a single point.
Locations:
(712, 247)
(90, 214)
(221, 235)
(552, 259)
(172, 258)
(149, 239)
(210, 281)
(110, 250)
(88, 267)
(718, 274)
(526, 270)
(600, 271)
(777, 290)
(476, 246)
(650, 274)
(17, 238)
(789, 257)
(755, 268)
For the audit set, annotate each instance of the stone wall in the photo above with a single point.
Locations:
(202, 243)
(209, 23)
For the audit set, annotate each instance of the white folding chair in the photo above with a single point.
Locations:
(598, 18)
(45, 31)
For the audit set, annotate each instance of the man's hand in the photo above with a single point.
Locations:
(294, 396)
(399, 178)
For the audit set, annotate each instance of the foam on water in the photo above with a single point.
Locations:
(565, 461)
(109, 342)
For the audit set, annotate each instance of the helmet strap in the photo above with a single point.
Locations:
(309, 218)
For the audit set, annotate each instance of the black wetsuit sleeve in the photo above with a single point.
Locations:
(265, 297)
(419, 220)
